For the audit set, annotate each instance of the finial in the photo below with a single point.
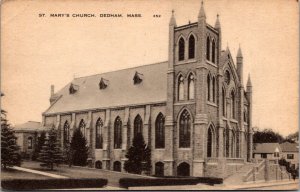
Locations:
(173, 12)
(189, 21)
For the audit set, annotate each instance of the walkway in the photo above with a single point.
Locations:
(246, 186)
(39, 172)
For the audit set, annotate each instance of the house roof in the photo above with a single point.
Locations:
(120, 91)
(289, 147)
(266, 147)
(28, 126)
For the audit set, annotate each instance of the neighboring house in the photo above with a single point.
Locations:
(290, 151)
(266, 151)
(194, 110)
(27, 134)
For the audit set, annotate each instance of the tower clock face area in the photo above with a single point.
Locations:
(227, 77)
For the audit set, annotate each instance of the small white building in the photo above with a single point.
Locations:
(266, 151)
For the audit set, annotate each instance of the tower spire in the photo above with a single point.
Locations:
(202, 12)
(172, 20)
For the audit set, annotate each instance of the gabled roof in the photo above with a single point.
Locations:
(121, 90)
(28, 126)
(266, 147)
(289, 147)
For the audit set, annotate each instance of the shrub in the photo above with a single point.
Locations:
(29, 184)
(164, 181)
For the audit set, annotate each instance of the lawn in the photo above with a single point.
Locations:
(74, 172)
(15, 174)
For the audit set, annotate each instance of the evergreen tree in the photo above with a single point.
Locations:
(67, 154)
(139, 156)
(79, 149)
(9, 149)
(51, 153)
(41, 141)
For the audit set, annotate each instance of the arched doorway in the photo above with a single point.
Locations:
(98, 165)
(183, 169)
(159, 169)
(117, 166)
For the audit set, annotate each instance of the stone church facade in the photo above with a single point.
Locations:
(193, 110)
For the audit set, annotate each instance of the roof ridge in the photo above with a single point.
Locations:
(121, 70)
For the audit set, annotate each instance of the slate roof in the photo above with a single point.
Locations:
(266, 147)
(120, 91)
(28, 126)
(289, 147)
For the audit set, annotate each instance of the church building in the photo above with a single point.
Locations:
(193, 110)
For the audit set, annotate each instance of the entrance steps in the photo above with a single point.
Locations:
(237, 177)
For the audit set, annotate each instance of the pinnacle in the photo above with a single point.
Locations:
(172, 20)
(239, 53)
(217, 24)
(201, 12)
(249, 84)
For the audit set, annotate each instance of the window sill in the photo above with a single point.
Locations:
(185, 102)
(159, 149)
(211, 104)
(233, 121)
(184, 148)
(186, 61)
(211, 63)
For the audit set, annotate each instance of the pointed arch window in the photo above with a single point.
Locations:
(224, 102)
(232, 105)
(191, 47)
(180, 88)
(160, 131)
(118, 133)
(213, 51)
(138, 125)
(210, 142)
(99, 131)
(181, 49)
(208, 48)
(227, 144)
(66, 132)
(233, 142)
(185, 129)
(82, 127)
(214, 89)
(237, 144)
(208, 88)
(191, 87)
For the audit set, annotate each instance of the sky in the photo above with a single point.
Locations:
(39, 51)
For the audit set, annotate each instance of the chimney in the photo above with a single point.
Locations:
(52, 90)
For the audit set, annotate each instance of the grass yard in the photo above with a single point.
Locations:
(74, 172)
(15, 174)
